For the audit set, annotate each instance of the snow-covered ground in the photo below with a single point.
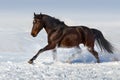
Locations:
(17, 47)
(59, 71)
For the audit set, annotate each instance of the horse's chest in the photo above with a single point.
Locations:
(55, 36)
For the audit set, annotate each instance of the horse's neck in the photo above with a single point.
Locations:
(48, 30)
(51, 29)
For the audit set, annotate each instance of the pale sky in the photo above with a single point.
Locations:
(19, 13)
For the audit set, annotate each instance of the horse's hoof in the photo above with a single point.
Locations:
(30, 62)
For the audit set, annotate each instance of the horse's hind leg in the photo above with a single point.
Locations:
(94, 53)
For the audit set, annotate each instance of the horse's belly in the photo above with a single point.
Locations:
(69, 41)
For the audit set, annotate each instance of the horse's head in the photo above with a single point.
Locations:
(38, 24)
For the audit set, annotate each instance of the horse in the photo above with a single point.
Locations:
(61, 35)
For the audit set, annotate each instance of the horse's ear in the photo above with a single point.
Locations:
(34, 14)
(41, 15)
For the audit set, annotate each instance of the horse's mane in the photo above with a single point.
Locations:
(54, 20)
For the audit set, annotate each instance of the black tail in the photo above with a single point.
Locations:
(103, 43)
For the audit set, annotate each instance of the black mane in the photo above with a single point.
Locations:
(54, 20)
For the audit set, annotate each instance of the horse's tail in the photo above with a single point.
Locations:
(102, 42)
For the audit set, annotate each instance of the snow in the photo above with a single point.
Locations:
(17, 47)
(59, 71)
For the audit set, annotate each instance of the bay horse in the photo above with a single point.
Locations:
(62, 35)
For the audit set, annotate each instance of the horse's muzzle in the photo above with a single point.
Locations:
(34, 35)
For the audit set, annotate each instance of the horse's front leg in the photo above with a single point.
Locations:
(48, 47)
